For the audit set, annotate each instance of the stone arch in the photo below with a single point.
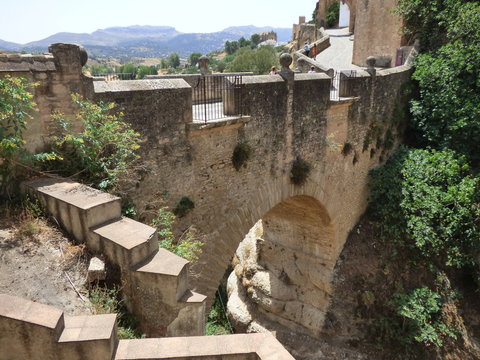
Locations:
(322, 6)
(289, 212)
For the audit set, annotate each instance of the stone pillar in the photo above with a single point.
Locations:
(286, 73)
(69, 58)
(371, 61)
(203, 62)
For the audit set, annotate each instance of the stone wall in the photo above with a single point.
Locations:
(58, 75)
(377, 32)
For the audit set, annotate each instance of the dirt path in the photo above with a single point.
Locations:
(34, 262)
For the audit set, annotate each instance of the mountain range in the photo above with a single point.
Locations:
(146, 41)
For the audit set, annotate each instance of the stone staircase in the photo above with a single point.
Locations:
(30, 331)
(155, 281)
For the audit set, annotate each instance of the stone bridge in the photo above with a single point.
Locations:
(289, 120)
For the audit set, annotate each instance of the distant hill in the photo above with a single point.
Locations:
(10, 46)
(146, 41)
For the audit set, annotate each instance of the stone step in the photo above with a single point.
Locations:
(95, 336)
(77, 207)
(125, 242)
(166, 273)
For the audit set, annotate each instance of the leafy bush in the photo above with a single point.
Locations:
(187, 245)
(16, 106)
(102, 151)
(423, 321)
(428, 201)
(447, 112)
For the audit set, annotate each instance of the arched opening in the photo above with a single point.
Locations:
(344, 15)
(282, 270)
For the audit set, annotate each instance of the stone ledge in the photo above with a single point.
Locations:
(219, 123)
(72, 193)
(139, 85)
(262, 79)
(88, 328)
(262, 346)
(30, 312)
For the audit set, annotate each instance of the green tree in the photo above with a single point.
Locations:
(127, 69)
(242, 42)
(265, 58)
(333, 14)
(100, 69)
(314, 16)
(244, 60)
(255, 39)
(146, 70)
(231, 47)
(163, 63)
(258, 61)
(193, 58)
(429, 201)
(447, 112)
(174, 60)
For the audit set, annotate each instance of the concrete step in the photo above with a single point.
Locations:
(166, 273)
(125, 242)
(95, 336)
(77, 207)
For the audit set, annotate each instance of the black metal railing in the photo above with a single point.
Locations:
(216, 97)
(117, 76)
(342, 84)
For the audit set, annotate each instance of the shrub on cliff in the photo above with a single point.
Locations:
(428, 201)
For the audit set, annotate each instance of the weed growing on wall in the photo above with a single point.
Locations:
(300, 171)
(241, 154)
(102, 151)
(188, 245)
(184, 205)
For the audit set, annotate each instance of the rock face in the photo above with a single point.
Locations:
(281, 274)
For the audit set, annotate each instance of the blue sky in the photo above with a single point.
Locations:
(30, 20)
